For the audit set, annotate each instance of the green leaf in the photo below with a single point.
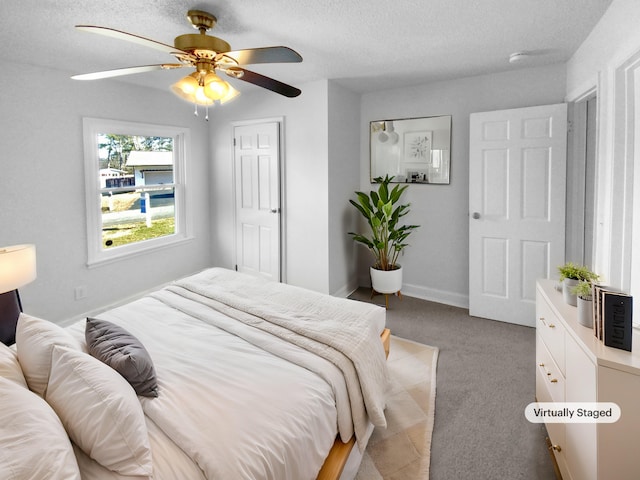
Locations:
(387, 209)
(383, 192)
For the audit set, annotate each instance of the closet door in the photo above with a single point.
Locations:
(257, 187)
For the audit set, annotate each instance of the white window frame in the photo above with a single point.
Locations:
(91, 128)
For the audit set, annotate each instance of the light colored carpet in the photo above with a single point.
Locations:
(402, 451)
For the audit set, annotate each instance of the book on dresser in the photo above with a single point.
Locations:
(617, 319)
(612, 317)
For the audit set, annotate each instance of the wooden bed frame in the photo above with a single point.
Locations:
(336, 460)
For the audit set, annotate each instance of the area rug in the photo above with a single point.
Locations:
(402, 451)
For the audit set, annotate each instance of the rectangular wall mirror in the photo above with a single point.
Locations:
(412, 150)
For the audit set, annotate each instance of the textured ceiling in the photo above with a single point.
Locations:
(366, 46)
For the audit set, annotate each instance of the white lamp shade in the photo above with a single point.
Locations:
(17, 266)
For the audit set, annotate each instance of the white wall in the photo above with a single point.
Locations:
(608, 62)
(305, 205)
(321, 171)
(42, 193)
(344, 177)
(436, 264)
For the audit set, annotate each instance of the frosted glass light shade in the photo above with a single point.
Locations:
(189, 89)
(231, 94)
(187, 85)
(204, 90)
(17, 266)
(214, 87)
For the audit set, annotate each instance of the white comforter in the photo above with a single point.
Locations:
(236, 410)
(330, 327)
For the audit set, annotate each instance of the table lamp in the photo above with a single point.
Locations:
(17, 268)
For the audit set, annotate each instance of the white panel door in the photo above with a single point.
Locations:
(257, 187)
(517, 173)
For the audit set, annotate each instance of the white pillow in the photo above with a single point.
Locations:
(100, 412)
(35, 338)
(10, 367)
(33, 443)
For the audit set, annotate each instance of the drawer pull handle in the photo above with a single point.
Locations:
(553, 380)
(557, 448)
(541, 364)
(551, 325)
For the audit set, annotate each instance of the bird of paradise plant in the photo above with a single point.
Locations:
(382, 210)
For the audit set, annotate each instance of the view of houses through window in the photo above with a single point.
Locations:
(137, 188)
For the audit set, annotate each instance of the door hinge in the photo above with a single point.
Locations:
(236, 268)
(234, 141)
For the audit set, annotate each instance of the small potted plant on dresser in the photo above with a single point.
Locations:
(386, 237)
(584, 293)
(570, 275)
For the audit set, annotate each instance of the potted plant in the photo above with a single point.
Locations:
(386, 237)
(570, 275)
(584, 292)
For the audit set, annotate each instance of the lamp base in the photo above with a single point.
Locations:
(10, 308)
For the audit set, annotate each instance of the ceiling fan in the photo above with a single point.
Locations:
(207, 54)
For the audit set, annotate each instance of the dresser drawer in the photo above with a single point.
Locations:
(552, 332)
(550, 381)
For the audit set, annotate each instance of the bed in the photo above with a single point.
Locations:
(218, 375)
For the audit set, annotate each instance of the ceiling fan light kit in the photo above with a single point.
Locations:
(206, 54)
(189, 89)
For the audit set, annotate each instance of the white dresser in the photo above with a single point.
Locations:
(574, 366)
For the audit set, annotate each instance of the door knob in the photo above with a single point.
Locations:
(274, 210)
(476, 215)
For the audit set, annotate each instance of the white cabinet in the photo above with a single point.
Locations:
(573, 366)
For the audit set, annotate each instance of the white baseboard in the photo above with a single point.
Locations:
(425, 293)
(345, 290)
(435, 295)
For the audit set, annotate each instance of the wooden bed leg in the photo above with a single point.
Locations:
(386, 341)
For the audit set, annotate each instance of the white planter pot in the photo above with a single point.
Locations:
(386, 281)
(567, 285)
(585, 312)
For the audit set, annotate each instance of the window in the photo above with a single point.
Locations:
(135, 187)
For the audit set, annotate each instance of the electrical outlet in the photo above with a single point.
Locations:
(80, 292)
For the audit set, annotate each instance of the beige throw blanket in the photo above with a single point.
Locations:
(333, 328)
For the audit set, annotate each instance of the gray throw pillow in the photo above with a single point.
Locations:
(115, 346)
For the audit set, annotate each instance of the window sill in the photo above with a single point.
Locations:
(134, 250)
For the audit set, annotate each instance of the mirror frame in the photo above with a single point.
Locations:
(413, 150)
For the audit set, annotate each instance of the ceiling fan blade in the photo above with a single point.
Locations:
(127, 71)
(264, 82)
(252, 56)
(130, 37)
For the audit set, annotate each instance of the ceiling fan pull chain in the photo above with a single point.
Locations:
(195, 112)
(207, 115)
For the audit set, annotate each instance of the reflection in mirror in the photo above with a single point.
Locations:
(412, 150)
